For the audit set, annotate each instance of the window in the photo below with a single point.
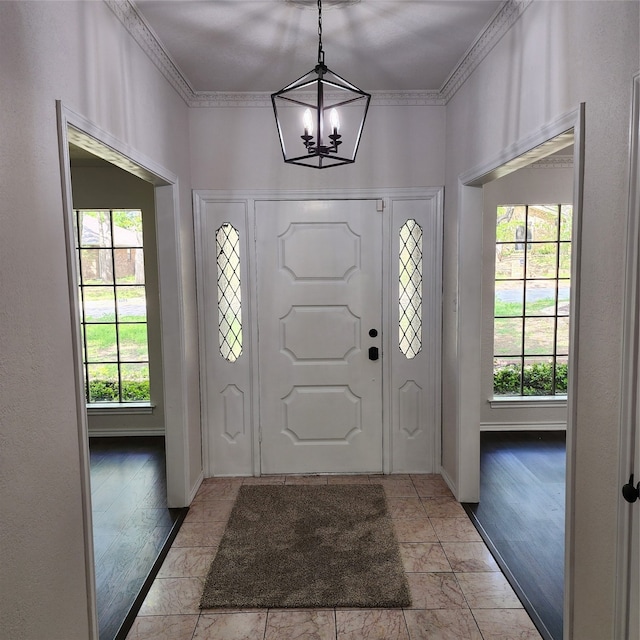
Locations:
(229, 292)
(410, 290)
(532, 293)
(113, 305)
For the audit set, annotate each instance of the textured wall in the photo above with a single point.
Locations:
(556, 56)
(237, 148)
(79, 53)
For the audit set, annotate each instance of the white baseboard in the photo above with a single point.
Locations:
(124, 431)
(196, 486)
(450, 483)
(523, 426)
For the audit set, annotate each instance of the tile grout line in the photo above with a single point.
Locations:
(406, 624)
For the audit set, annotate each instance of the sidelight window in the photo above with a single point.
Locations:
(229, 292)
(410, 289)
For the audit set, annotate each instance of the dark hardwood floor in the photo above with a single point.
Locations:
(521, 518)
(132, 526)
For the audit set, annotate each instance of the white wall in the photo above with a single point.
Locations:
(556, 56)
(110, 187)
(238, 148)
(79, 53)
(534, 185)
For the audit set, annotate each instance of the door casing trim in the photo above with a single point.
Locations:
(179, 493)
(630, 374)
(466, 485)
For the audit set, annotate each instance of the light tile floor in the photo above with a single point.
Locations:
(458, 591)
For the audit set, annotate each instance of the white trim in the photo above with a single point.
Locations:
(196, 486)
(92, 137)
(175, 378)
(316, 194)
(81, 414)
(468, 331)
(261, 99)
(150, 43)
(120, 409)
(140, 30)
(572, 388)
(125, 431)
(547, 139)
(202, 354)
(523, 426)
(450, 483)
(387, 342)
(504, 18)
(540, 144)
(528, 402)
(630, 374)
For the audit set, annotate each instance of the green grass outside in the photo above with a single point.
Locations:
(101, 340)
(515, 308)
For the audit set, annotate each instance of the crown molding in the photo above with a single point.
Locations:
(263, 99)
(426, 98)
(149, 42)
(501, 22)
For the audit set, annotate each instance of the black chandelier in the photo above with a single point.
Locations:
(320, 116)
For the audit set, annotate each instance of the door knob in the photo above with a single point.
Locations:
(631, 492)
(373, 353)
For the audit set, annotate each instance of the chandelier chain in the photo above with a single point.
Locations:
(320, 51)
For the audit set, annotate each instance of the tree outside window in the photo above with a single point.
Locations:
(532, 296)
(110, 261)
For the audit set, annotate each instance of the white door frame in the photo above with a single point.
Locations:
(172, 321)
(241, 205)
(467, 484)
(630, 389)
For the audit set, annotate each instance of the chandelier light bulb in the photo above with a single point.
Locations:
(307, 122)
(334, 120)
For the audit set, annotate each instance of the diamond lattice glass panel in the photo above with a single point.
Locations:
(410, 290)
(229, 298)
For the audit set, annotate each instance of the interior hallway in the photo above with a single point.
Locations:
(521, 516)
(131, 523)
(458, 590)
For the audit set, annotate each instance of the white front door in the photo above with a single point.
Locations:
(294, 289)
(319, 324)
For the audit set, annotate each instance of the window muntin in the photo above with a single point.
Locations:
(410, 289)
(110, 260)
(532, 295)
(229, 292)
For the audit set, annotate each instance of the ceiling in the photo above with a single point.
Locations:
(263, 45)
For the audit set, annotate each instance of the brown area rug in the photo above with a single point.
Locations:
(308, 546)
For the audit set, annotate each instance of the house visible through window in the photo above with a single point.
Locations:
(113, 306)
(532, 293)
